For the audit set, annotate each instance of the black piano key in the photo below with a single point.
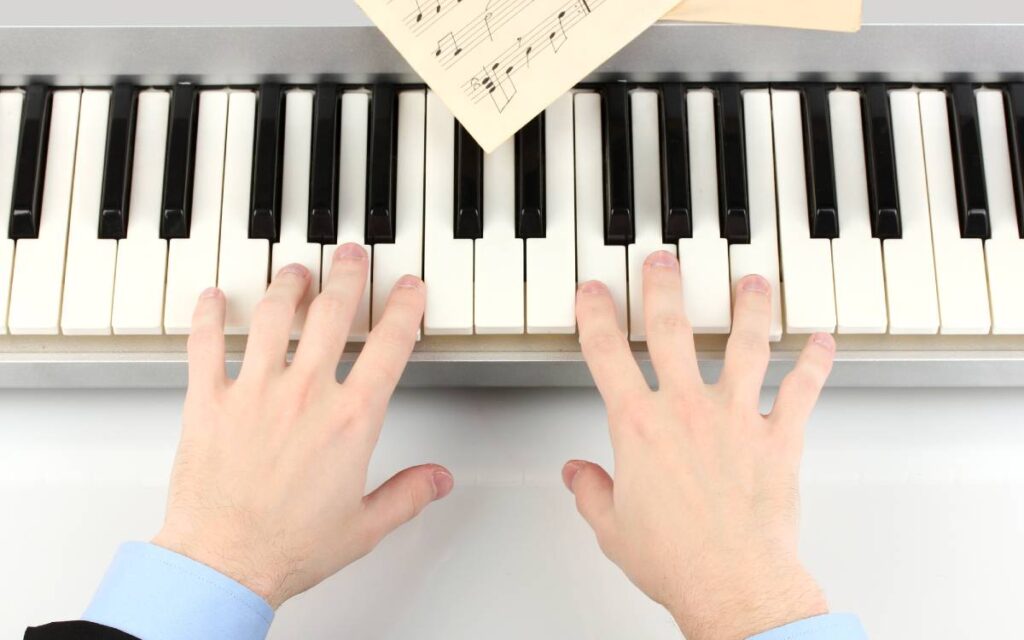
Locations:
(619, 225)
(179, 167)
(823, 209)
(469, 186)
(880, 159)
(968, 163)
(676, 220)
(267, 165)
(322, 224)
(1015, 122)
(531, 217)
(117, 166)
(30, 167)
(380, 201)
(734, 210)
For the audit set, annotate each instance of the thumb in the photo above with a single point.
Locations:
(402, 497)
(592, 487)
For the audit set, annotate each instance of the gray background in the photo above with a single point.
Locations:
(913, 499)
(345, 12)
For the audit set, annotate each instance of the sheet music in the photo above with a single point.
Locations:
(498, 63)
(831, 15)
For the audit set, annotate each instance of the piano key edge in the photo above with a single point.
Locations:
(33, 362)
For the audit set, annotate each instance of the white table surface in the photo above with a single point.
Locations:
(913, 515)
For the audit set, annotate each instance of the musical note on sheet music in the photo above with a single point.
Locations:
(497, 63)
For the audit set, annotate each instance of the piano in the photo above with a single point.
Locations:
(876, 179)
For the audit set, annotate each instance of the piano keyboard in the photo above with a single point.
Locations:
(872, 209)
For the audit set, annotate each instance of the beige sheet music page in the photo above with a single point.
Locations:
(832, 15)
(498, 63)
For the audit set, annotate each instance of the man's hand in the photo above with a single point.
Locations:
(268, 485)
(703, 512)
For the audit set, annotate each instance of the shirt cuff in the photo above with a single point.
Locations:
(833, 626)
(155, 594)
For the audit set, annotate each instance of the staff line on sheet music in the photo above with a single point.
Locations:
(545, 36)
(496, 14)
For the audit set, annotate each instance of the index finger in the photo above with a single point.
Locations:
(605, 347)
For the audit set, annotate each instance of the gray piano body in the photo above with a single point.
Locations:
(983, 42)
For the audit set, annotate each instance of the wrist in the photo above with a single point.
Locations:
(747, 607)
(236, 564)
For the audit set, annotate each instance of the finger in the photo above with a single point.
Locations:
(605, 347)
(401, 499)
(800, 390)
(747, 353)
(376, 372)
(593, 489)
(331, 313)
(669, 334)
(271, 327)
(206, 343)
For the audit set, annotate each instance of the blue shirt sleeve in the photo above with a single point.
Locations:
(833, 626)
(155, 594)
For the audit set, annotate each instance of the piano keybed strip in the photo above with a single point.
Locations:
(890, 216)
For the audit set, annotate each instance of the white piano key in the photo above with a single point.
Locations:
(761, 256)
(447, 261)
(704, 258)
(856, 255)
(10, 124)
(89, 274)
(647, 203)
(1004, 252)
(244, 263)
(909, 264)
(192, 261)
(499, 299)
(959, 262)
(355, 113)
(551, 260)
(594, 259)
(38, 279)
(142, 254)
(404, 256)
(807, 286)
(293, 246)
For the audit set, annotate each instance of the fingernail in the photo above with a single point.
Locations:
(294, 269)
(212, 292)
(755, 284)
(569, 472)
(592, 286)
(409, 282)
(662, 260)
(350, 251)
(443, 483)
(825, 341)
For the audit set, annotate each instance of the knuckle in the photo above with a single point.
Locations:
(603, 342)
(630, 413)
(393, 334)
(802, 382)
(750, 342)
(329, 304)
(200, 339)
(356, 404)
(670, 322)
(272, 307)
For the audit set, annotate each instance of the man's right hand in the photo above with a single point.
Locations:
(703, 512)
